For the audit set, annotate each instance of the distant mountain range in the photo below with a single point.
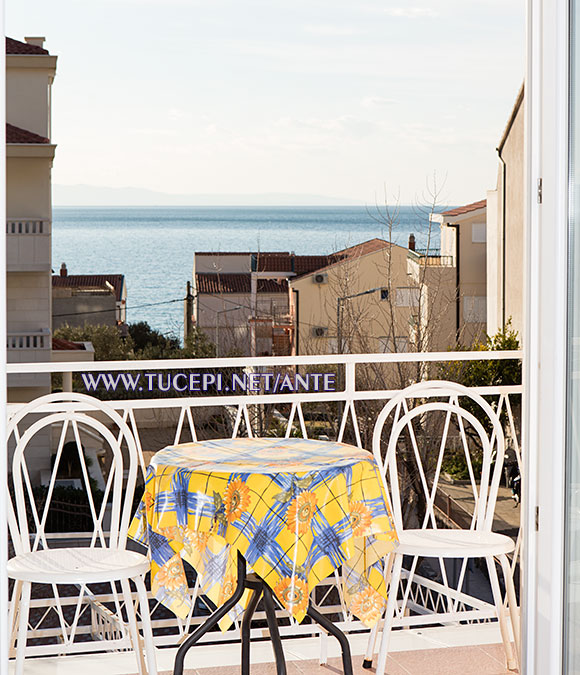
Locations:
(94, 195)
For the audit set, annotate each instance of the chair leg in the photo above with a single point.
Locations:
(132, 623)
(368, 660)
(22, 627)
(146, 623)
(13, 615)
(499, 608)
(389, 614)
(512, 604)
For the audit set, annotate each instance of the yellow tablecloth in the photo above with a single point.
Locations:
(296, 509)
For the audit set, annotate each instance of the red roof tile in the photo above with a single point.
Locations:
(16, 47)
(290, 262)
(236, 283)
(460, 210)
(90, 281)
(61, 345)
(364, 248)
(17, 135)
(218, 253)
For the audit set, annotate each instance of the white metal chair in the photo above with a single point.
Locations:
(428, 541)
(105, 558)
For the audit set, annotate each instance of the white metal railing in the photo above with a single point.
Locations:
(186, 417)
(28, 226)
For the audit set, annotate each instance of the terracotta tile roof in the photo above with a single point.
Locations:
(17, 135)
(61, 345)
(290, 262)
(364, 248)
(90, 281)
(16, 47)
(236, 283)
(352, 253)
(282, 261)
(304, 264)
(460, 210)
(218, 253)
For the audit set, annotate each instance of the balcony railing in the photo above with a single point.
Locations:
(431, 257)
(28, 244)
(28, 226)
(162, 419)
(20, 340)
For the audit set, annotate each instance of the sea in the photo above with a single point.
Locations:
(154, 246)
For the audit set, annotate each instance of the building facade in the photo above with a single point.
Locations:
(30, 72)
(377, 297)
(464, 243)
(242, 300)
(506, 228)
(95, 299)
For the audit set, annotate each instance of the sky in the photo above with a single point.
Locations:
(345, 98)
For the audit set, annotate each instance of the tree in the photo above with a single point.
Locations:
(149, 343)
(107, 341)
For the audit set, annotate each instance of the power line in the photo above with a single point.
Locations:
(108, 311)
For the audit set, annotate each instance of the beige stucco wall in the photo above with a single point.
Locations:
(507, 297)
(28, 91)
(28, 185)
(472, 271)
(221, 262)
(78, 309)
(367, 322)
(234, 331)
(513, 155)
(28, 197)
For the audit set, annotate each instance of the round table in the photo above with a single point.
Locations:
(294, 509)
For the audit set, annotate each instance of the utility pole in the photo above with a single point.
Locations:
(187, 313)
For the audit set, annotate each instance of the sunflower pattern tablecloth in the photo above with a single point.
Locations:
(296, 509)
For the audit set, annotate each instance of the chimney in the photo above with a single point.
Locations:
(36, 41)
(411, 242)
(63, 270)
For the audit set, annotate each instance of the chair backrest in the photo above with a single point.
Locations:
(29, 513)
(405, 420)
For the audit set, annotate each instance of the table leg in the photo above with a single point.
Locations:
(270, 608)
(313, 613)
(246, 623)
(213, 619)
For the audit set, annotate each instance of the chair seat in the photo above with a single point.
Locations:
(453, 543)
(77, 565)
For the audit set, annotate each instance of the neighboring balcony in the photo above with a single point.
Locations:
(29, 347)
(28, 244)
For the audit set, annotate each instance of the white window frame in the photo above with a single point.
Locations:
(478, 233)
(407, 296)
(475, 308)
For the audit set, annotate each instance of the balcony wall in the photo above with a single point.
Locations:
(28, 245)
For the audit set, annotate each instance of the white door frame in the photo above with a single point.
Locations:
(3, 457)
(547, 102)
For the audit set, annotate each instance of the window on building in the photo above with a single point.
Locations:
(475, 309)
(384, 293)
(407, 297)
(401, 344)
(478, 233)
